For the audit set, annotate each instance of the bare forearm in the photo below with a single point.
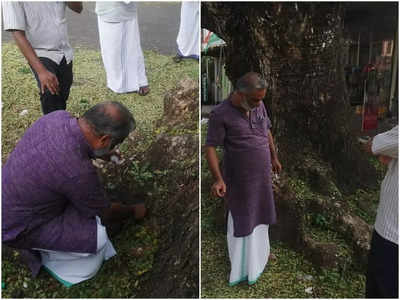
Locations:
(117, 211)
(75, 6)
(213, 163)
(272, 145)
(25, 47)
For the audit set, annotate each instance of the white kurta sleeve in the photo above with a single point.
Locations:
(387, 143)
(13, 16)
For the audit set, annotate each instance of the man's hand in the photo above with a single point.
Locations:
(139, 211)
(368, 147)
(276, 165)
(384, 159)
(118, 212)
(218, 189)
(75, 6)
(114, 152)
(48, 80)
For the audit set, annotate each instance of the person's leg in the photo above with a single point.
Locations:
(66, 232)
(371, 285)
(382, 272)
(237, 254)
(144, 88)
(65, 81)
(258, 249)
(50, 102)
(70, 267)
(188, 36)
(136, 75)
(112, 45)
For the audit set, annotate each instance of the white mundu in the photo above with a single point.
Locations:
(189, 30)
(71, 268)
(120, 46)
(249, 254)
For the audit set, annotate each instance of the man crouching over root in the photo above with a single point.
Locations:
(53, 203)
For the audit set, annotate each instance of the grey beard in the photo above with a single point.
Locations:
(98, 153)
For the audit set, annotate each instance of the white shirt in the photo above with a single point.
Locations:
(45, 27)
(387, 219)
(114, 12)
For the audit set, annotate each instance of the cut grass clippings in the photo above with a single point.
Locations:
(121, 276)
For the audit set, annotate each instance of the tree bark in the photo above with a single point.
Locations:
(298, 48)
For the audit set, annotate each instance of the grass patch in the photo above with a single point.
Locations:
(282, 278)
(122, 275)
(20, 92)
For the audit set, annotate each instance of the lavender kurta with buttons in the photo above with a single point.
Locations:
(50, 190)
(246, 164)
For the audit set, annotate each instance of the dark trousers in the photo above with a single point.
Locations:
(383, 269)
(63, 71)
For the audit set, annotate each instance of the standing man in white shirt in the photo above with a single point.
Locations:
(40, 32)
(383, 261)
(189, 31)
(120, 47)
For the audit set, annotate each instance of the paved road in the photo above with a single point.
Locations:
(158, 24)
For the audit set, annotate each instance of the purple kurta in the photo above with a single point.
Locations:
(246, 164)
(51, 191)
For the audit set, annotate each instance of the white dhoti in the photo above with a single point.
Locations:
(122, 55)
(189, 30)
(248, 255)
(71, 268)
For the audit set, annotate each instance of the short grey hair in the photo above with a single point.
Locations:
(249, 82)
(110, 118)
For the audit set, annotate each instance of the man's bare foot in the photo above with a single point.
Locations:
(144, 90)
(177, 58)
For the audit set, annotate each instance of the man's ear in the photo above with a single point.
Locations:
(241, 94)
(105, 141)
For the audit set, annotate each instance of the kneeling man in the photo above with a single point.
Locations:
(52, 200)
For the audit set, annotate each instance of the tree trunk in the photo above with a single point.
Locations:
(298, 49)
(166, 175)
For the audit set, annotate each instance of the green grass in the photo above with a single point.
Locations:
(119, 277)
(282, 278)
(19, 90)
(122, 275)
